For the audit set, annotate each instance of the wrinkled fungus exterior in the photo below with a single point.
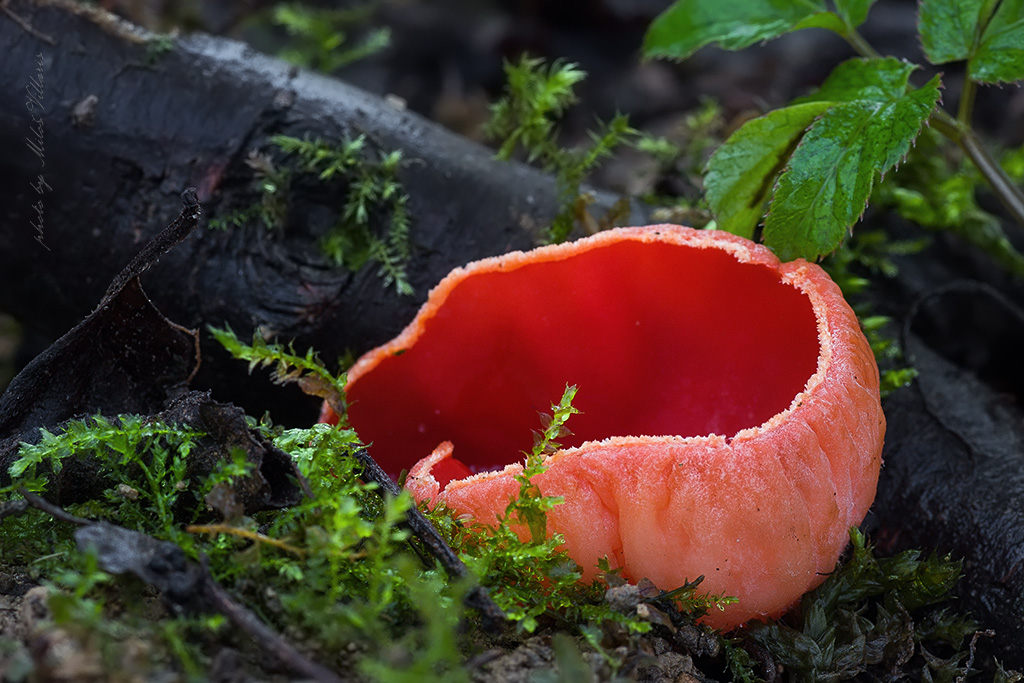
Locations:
(730, 427)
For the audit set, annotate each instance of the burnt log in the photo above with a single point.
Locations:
(954, 454)
(104, 125)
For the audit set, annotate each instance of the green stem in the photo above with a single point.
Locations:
(966, 106)
(863, 47)
(1009, 194)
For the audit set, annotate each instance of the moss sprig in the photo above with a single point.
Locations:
(531, 506)
(373, 221)
(536, 96)
(307, 371)
(373, 188)
(320, 38)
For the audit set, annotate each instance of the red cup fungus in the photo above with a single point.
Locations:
(730, 421)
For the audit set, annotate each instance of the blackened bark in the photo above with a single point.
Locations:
(954, 455)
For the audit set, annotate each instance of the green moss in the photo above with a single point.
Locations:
(307, 371)
(319, 38)
(157, 47)
(145, 458)
(871, 616)
(524, 118)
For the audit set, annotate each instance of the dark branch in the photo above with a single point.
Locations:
(49, 508)
(478, 598)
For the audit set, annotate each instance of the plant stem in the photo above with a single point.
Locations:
(966, 106)
(1009, 194)
(863, 47)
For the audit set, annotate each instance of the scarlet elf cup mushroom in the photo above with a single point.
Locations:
(730, 421)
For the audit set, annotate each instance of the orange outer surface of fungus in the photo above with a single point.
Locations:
(730, 427)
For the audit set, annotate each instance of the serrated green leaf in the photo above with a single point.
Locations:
(742, 171)
(993, 43)
(867, 131)
(689, 25)
(1000, 54)
(948, 28)
(853, 12)
(876, 80)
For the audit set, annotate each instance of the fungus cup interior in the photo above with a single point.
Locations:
(660, 338)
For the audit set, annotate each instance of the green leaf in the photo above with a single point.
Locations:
(742, 171)
(689, 25)
(1000, 54)
(875, 80)
(989, 34)
(948, 28)
(868, 129)
(853, 12)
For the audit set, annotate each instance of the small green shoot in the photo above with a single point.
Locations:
(535, 97)
(530, 507)
(695, 602)
(738, 661)
(157, 47)
(272, 184)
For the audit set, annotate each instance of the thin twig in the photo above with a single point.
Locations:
(478, 598)
(419, 524)
(25, 25)
(244, 533)
(165, 240)
(988, 633)
(49, 508)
